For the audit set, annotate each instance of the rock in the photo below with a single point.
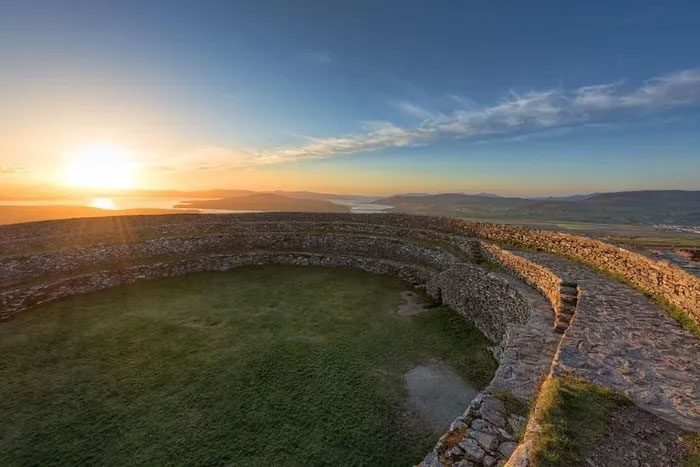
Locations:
(484, 426)
(517, 424)
(504, 434)
(431, 460)
(490, 411)
(489, 461)
(506, 448)
(472, 450)
(487, 441)
(457, 424)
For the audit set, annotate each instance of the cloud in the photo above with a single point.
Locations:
(318, 56)
(533, 111)
(13, 170)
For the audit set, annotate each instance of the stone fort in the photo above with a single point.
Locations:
(553, 303)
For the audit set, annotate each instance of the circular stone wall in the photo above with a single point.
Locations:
(522, 306)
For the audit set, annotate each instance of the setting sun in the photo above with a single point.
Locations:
(101, 167)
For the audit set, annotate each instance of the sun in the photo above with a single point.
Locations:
(101, 166)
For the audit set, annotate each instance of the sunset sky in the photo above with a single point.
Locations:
(363, 97)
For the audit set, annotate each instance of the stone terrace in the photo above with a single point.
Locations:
(622, 340)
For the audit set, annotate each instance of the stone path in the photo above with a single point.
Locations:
(621, 340)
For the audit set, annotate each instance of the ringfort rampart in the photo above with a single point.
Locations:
(524, 306)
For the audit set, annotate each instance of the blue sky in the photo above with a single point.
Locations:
(367, 96)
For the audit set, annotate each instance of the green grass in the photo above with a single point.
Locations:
(572, 414)
(692, 447)
(269, 365)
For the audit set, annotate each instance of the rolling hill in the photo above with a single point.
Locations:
(266, 202)
(628, 207)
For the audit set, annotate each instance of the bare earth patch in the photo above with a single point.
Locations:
(412, 304)
(437, 393)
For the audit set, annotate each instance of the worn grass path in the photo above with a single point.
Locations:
(269, 365)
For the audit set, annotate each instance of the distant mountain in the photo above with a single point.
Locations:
(630, 207)
(488, 195)
(321, 196)
(564, 198)
(266, 202)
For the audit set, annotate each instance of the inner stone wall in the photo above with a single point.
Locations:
(18, 269)
(489, 301)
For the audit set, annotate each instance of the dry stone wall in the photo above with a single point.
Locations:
(23, 268)
(655, 277)
(17, 300)
(481, 298)
(49, 260)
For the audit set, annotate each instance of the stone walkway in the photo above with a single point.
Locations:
(621, 340)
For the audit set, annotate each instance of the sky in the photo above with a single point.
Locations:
(365, 97)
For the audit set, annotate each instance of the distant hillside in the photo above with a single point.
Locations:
(630, 207)
(15, 214)
(266, 202)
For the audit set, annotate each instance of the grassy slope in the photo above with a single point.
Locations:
(256, 366)
(572, 414)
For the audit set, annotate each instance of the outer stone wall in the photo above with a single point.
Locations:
(668, 281)
(677, 286)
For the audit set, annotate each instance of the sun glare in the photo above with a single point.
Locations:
(101, 167)
(103, 203)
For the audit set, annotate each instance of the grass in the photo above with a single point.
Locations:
(269, 365)
(572, 414)
(692, 447)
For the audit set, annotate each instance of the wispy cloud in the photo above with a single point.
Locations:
(532, 111)
(13, 170)
(318, 56)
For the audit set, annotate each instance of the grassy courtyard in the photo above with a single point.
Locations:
(268, 365)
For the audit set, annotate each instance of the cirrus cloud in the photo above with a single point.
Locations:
(531, 111)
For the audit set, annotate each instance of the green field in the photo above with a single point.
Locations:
(268, 365)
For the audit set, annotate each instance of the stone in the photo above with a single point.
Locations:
(487, 441)
(454, 452)
(491, 411)
(457, 424)
(431, 460)
(472, 450)
(489, 461)
(484, 426)
(506, 448)
(517, 424)
(504, 434)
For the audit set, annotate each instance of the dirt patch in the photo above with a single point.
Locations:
(437, 393)
(637, 438)
(413, 303)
